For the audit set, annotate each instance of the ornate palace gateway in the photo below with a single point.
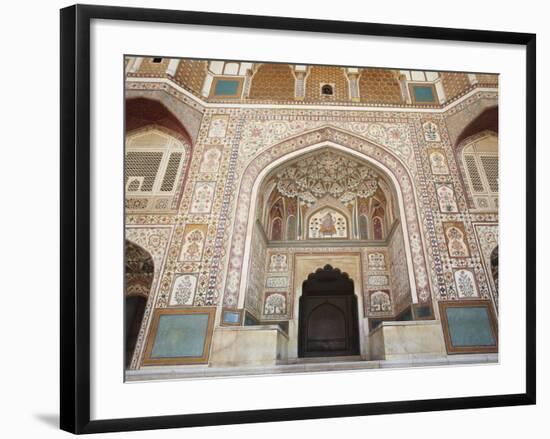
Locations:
(288, 218)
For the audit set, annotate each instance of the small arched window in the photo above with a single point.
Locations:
(377, 228)
(291, 228)
(363, 227)
(277, 229)
(327, 223)
(480, 162)
(327, 90)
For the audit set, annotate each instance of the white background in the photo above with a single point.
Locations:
(31, 204)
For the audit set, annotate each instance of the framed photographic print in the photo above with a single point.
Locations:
(337, 218)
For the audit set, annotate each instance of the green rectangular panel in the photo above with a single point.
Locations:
(180, 335)
(231, 317)
(423, 93)
(423, 311)
(225, 87)
(470, 326)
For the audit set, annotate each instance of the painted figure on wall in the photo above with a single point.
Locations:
(327, 226)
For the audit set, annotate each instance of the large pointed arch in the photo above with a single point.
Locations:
(141, 112)
(487, 120)
(380, 157)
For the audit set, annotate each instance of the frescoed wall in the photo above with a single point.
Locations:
(278, 172)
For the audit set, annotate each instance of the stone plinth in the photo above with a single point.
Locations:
(262, 345)
(407, 340)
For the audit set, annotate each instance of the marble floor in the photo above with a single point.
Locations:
(311, 365)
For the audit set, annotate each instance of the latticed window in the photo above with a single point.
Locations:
(154, 162)
(480, 159)
(144, 165)
(490, 167)
(171, 173)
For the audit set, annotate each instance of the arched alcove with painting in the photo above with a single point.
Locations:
(326, 195)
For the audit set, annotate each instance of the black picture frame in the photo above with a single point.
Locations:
(75, 217)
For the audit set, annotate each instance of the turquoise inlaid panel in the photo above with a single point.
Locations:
(226, 87)
(423, 93)
(470, 326)
(180, 335)
(249, 320)
(423, 311)
(231, 317)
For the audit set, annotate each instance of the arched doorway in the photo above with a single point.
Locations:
(139, 273)
(328, 320)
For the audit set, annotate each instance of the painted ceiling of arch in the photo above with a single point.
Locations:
(327, 174)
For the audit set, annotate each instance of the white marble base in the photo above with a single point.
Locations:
(420, 339)
(201, 372)
(262, 345)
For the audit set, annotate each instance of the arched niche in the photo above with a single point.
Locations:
(272, 82)
(487, 120)
(158, 148)
(275, 220)
(476, 153)
(479, 170)
(338, 184)
(142, 112)
(139, 274)
(156, 164)
(291, 228)
(327, 222)
(364, 227)
(378, 228)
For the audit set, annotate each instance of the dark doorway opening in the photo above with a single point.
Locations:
(134, 308)
(328, 322)
(139, 272)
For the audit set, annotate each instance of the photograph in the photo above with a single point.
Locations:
(305, 218)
